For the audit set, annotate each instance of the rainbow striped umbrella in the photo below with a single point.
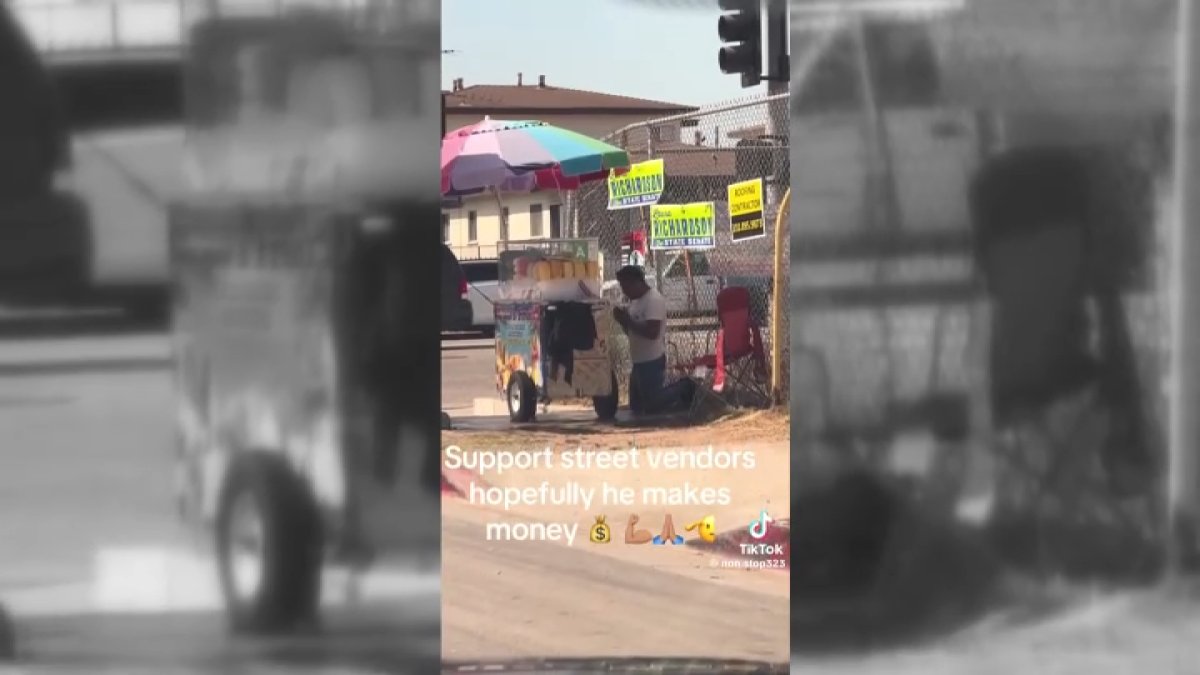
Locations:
(520, 155)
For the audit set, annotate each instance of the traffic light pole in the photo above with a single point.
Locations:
(778, 76)
(777, 127)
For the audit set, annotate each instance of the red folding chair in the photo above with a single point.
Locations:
(738, 365)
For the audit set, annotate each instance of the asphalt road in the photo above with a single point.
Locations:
(468, 373)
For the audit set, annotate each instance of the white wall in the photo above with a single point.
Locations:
(487, 212)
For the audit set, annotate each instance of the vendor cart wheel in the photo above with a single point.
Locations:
(522, 398)
(269, 547)
(606, 406)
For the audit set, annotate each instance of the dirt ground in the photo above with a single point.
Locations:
(547, 599)
(766, 426)
(520, 598)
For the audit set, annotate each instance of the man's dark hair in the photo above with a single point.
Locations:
(631, 273)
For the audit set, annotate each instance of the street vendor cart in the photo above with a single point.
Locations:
(288, 347)
(553, 330)
(300, 337)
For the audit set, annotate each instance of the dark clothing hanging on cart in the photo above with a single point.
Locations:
(567, 327)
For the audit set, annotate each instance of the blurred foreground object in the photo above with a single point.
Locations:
(44, 249)
(298, 360)
(914, 294)
(312, 103)
(8, 636)
(301, 345)
(1067, 56)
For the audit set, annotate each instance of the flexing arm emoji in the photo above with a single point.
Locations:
(636, 536)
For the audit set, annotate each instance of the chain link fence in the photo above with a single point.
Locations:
(703, 153)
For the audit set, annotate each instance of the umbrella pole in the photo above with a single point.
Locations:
(503, 219)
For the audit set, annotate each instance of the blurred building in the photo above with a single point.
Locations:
(119, 67)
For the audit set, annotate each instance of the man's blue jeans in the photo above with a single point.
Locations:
(646, 386)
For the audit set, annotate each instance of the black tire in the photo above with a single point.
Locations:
(521, 398)
(606, 406)
(287, 595)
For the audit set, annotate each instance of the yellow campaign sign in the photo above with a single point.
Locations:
(746, 210)
(683, 226)
(641, 185)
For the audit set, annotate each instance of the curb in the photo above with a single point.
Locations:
(496, 407)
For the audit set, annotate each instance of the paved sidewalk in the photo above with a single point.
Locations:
(151, 579)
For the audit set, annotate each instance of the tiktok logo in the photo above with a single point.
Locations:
(758, 528)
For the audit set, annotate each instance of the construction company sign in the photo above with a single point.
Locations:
(746, 210)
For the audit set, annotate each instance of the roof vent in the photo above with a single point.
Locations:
(542, 81)
(520, 79)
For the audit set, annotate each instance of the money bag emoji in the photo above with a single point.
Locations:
(600, 534)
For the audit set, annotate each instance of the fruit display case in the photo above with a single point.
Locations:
(550, 270)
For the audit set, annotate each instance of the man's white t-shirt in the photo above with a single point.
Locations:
(650, 307)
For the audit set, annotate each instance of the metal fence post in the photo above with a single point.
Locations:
(777, 293)
(653, 255)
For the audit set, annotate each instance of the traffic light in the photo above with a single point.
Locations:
(778, 47)
(740, 29)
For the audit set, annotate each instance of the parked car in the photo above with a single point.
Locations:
(483, 279)
(456, 307)
(677, 289)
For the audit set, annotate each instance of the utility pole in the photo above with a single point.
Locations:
(443, 96)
